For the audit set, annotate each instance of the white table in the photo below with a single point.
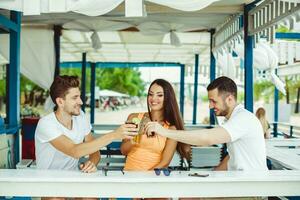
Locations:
(38, 183)
(283, 142)
(277, 150)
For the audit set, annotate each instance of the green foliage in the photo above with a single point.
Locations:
(77, 72)
(124, 80)
(2, 87)
(263, 90)
(282, 29)
(240, 97)
(26, 84)
(204, 98)
(292, 85)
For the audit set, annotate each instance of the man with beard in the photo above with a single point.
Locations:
(241, 130)
(63, 136)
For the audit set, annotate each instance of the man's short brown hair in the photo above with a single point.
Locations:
(61, 85)
(224, 85)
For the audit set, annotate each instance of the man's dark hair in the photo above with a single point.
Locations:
(224, 85)
(61, 85)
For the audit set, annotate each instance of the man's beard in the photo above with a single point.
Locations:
(74, 113)
(224, 111)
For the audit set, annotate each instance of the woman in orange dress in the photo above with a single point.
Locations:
(156, 151)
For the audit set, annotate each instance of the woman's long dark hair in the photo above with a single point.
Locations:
(171, 112)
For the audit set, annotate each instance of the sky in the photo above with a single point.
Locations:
(171, 74)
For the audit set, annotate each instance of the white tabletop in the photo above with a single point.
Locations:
(284, 142)
(38, 183)
(278, 150)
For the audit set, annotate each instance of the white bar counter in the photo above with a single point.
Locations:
(41, 183)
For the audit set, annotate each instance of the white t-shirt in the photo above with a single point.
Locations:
(49, 128)
(247, 150)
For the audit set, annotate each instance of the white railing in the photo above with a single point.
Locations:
(228, 32)
(265, 18)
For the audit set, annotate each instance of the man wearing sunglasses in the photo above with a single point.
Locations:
(241, 130)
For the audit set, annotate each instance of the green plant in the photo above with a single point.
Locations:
(263, 90)
(124, 80)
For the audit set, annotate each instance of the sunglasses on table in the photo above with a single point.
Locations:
(166, 171)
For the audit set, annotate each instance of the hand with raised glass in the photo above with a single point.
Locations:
(126, 131)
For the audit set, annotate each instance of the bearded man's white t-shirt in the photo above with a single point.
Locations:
(48, 129)
(247, 150)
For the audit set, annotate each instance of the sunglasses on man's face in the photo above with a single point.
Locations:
(166, 171)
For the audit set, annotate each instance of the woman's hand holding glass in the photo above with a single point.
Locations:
(140, 125)
(136, 123)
